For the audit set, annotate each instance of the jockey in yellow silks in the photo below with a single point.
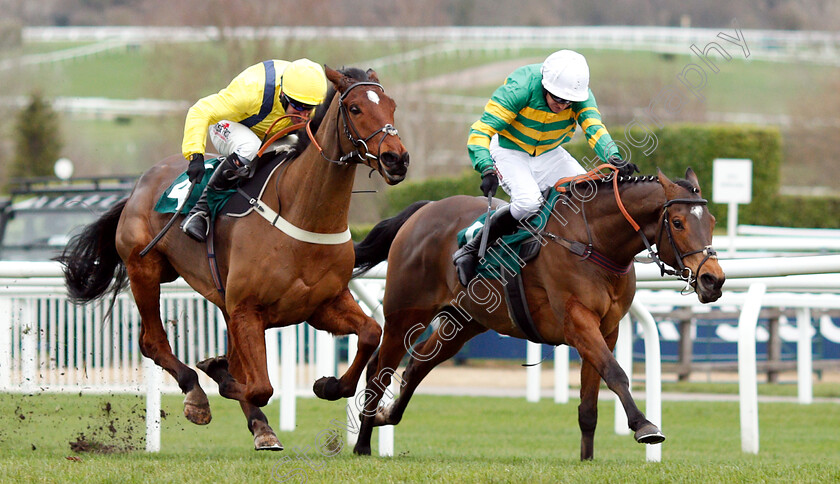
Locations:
(237, 118)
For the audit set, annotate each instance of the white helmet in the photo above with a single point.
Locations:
(566, 75)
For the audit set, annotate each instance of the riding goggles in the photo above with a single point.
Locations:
(299, 106)
(559, 100)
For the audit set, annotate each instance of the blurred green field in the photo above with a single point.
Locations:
(626, 82)
(441, 439)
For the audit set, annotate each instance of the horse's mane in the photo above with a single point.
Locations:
(649, 178)
(352, 72)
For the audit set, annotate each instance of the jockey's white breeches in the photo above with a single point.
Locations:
(525, 177)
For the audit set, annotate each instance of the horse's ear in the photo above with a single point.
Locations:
(372, 75)
(339, 80)
(663, 180)
(692, 178)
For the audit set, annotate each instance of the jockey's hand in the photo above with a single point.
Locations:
(624, 168)
(196, 169)
(489, 184)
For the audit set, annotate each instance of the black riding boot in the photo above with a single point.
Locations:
(466, 258)
(225, 177)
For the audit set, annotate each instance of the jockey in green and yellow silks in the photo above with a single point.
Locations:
(517, 141)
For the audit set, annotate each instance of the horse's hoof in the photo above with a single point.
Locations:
(197, 414)
(649, 434)
(327, 388)
(267, 441)
(361, 449)
(212, 364)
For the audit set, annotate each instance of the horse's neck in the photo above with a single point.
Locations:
(315, 193)
(612, 233)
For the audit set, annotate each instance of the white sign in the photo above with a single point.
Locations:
(732, 180)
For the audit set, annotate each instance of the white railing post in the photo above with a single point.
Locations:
(804, 357)
(28, 347)
(386, 432)
(533, 357)
(5, 343)
(272, 357)
(653, 374)
(154, 376)
(747, 379)
(624, 356)
(288, 356)
(561, 374)
(324, 354)
(353, 421)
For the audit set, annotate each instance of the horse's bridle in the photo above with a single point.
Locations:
(352, 133)
(683, 273)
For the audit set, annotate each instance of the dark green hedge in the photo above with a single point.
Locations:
(678, 147)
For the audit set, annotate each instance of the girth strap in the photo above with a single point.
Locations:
(517, 305)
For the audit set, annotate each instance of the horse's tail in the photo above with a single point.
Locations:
(374, 249)
(91, 261)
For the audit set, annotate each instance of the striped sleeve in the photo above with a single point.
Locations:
(499, 113)
(589, 119)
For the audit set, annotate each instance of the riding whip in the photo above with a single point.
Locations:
(168, 224)
(486, 231)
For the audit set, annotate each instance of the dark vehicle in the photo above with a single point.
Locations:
(43, 213)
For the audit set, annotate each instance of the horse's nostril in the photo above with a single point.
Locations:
(394, 161)
(710, 281)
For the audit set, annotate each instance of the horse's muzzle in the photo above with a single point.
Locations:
(708, 287)
(394, 166)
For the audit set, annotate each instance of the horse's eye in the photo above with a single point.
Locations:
(677, 223)
(355, 109)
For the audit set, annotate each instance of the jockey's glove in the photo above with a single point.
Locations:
(196, 169)
(489, 183)
(625, 168)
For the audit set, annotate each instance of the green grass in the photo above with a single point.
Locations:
(441, 439)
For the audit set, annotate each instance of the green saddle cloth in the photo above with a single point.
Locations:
(506, 257)
(172, 197)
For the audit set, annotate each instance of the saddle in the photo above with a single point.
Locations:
(222, 202)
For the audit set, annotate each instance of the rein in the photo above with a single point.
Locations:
(683, 273)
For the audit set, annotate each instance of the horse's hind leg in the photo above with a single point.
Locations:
(424, 357)
(398, 328)
(582, 330)
(145, 285)
(344, 316)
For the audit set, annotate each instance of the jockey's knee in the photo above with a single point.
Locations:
(247, 151)
(523, 207)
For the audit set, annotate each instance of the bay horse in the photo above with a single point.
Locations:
(572, 300)
(271, 279)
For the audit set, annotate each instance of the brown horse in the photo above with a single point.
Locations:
(271, 279)
(572, 299)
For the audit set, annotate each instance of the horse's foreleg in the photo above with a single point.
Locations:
(424, 357)
(391, 351)
(582, 330)
(145, 285)
(246, 331)
(590, 384)
(344, 316)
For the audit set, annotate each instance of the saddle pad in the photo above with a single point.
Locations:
(220, 202)
(508, 255)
